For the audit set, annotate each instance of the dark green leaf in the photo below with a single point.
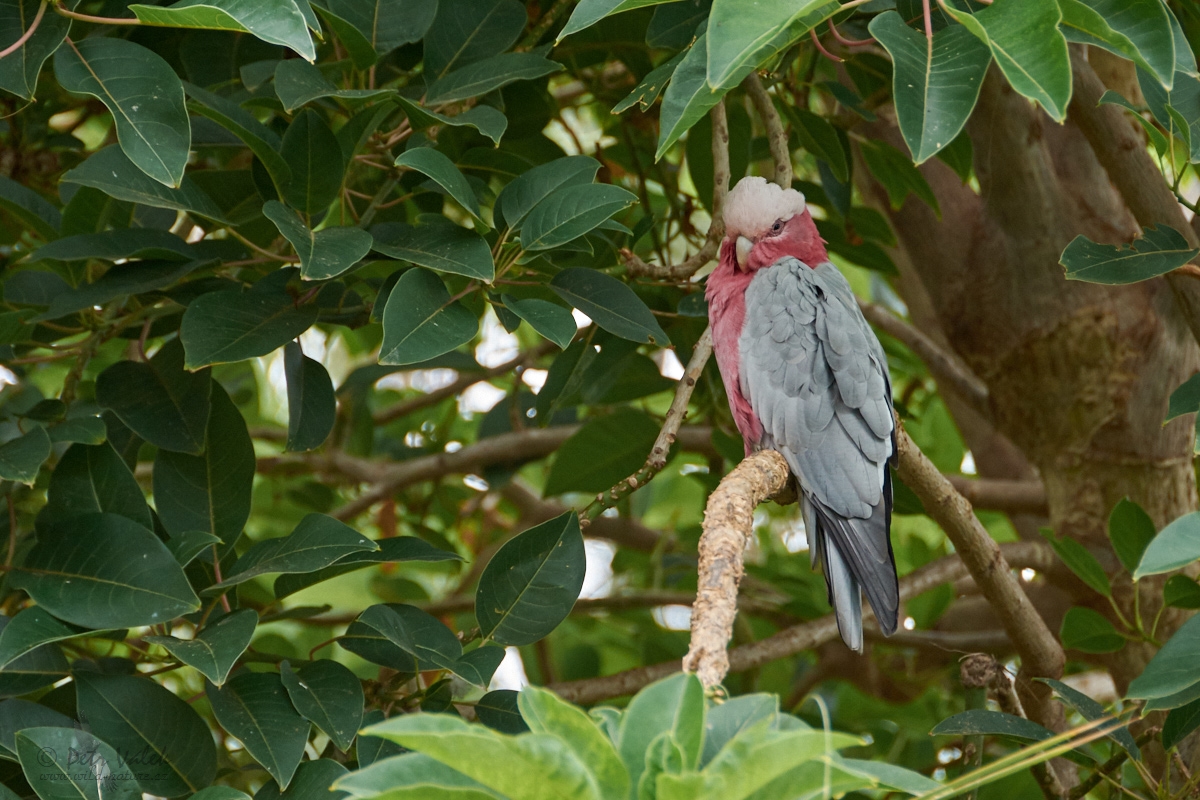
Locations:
(687, 97)
(1173, 668)
(673, 705)
(981, 722)
(1185, 399)
(1179, 723)
(532, 582)
(91, 479)
(887, 775)
(121, 280)
(465, 31)
(396, 548)
(189, 544)
(498, 710)
(81, 430)
(275, 21)
(29, 629)
(485, 119)
(438, 244)
(312, 782)
(570, 212)
(1175, 546)
(255, 708)
(159, 400)
(210, 492)
(603, 452)
(324, 254)
(371, 749)
(298, 82)
(1089, 632)
(646, 92)
(19, 71)
(552, 321)
(110, 171)
(897, 174)
(116, 245)
(1090, 710)
(1179, 591)
(529, 188)
(50, 758)
(1030, 49)
(1156, 136)
(137, 716)
(144, 96)
(233, 325)
(589, 12)
(610, 303)
(420, 321)
(1139, 30)
(402, 637)
(328, 694)
(33, 210)
(1081, 562)
(309, 148)
(488, 75)
(387, 24)
(104, 571)
(317, 542)
(441, 170)
(1158, 251)
(21, 458)
(1130, 530)
(935, 84)
(746, 40)
(817, 136)
(218, 645)
(261, 140)
(312, 405)
(16, 715)
(479, 665)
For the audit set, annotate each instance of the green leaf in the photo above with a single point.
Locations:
(488, 75)
(111, 171)
(1130, 530)
(1139, 30)
(411, 776)
(209, 492)
(232, 325)
(552, 321)
(387, 24)
(312, 154)
(441, 170)
(21, 458)
(220, 793)
(90, 479)
(324, 254)
(1173, 668)
(159, 400)
(117, 245)
(31, 628)
(438, 244)
(1178, 110)
(743, 41)
(1158, 251)
(144, 96)
(570, 212)
(935, 84)
(725, 721)
(1175, 547)
(80, 430)
(895, 171)
(887, 775)
(532, 582)
(674, 704)
(312, 782)
(532, 766)
(35, 212)
(466, 31)
(262, 141)
(317, 542)
(479, 665)
(1185, 399)
(589, 12)
(50, 759)
(298, 82)
(687, 98)
(104, 571)
(312, 405)
(255, 708)
(524, 192)
(545, 713)
(328, 694)
(420, 322)
(16, 715)
(1090, 710)
(1089, 632)
(485, 119)
(1179, 591)
(218, 645)
(402, 637)
(602, 453)
(981, 722)
(1179, 723)
(500, 711)
(646, 92)
(610, 303)
(815, 134)
(137, 716)
(395, 548)
(19, 71)
(1030, 49)
(275, 21)
(188, 545)
(1080, 561)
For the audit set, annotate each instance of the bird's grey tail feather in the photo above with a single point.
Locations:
(845, 596)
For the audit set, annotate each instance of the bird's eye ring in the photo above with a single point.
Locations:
(777, 227)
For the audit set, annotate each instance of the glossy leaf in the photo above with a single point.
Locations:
(935, 85)
(981, 722)
(217, 646)
(329, 695)
(233, 325)
(312, 782)
(21, 458)
(603, 452)
(1090, 632)
(1158, 251)
(49, 759)
(532, 582)
(19, 71)
(159, 400)
(687, 97)
(524, 192)
(298, 82)
(610, 303)
(896, 173)
(144, 96)
(117, 245)
(570, 212)
(396, 548)
(741, 38)
(550, 320)
(479, 665)
(1179, 723)
(485, 119)
(1180, 591)
(188, 545)
(646, 92)
(323, 254)
(1177, 110)
(312, 405)
(1028, 46)
(402, 637)
(816, 135)
(1091, 711)
(499, 710)
(545, 712)
(441, 170)
(37, 214)
(104, 571)
(31, 628)
(1185, 399)
(421, 322)
(589, 12)
(674, 704)
(1081, 562)
(411, 776)
(1139, 30)
(111, 171)
(466, 31)
(16, 715)
(209, 492)
(309, 149)
(262, 141)
(488, 75)
(275, 21)
(387, 24)
(437, 244)
(725, 721)
(255, 708)
(316, 542)
(138, 716)
(1173, 668)
(1130, 530)
(1175, 547)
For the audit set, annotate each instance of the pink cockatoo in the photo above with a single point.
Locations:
(806, 376)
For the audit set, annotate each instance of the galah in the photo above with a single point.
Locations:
(806, 376)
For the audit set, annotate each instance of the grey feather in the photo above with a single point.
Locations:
(816, 377)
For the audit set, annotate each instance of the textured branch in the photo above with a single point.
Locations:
(777, 138)
(804, 636)
(728, 523)
(716, 230)
(997, 494)
(946, 368)
(620, 530)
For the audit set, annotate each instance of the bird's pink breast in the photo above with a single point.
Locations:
(726, 295)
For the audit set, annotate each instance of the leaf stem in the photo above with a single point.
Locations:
(58, 9)
(33, 26)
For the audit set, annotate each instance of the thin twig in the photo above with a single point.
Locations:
(777, 138)
(58, 9)
(33, 26)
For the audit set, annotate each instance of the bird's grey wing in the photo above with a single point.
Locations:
(816, 378)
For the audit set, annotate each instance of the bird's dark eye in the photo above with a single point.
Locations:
(777, 227)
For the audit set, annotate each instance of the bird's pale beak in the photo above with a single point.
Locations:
(743, 246)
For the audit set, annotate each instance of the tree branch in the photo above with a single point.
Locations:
(777, 138)
(620, 530)
(997, 494)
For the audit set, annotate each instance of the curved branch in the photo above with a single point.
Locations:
(777, 138)
(998, 494)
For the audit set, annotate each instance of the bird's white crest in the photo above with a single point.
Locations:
(755, 203)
